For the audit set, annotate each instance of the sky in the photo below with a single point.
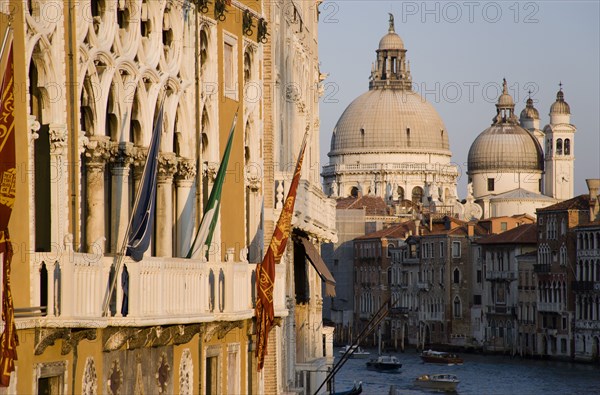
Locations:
(459, 52)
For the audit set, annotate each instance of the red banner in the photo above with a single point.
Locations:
(7, 143)
(265, 271)
(8, 340)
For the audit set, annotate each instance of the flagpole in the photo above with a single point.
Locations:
(5, 39)
(121, 254)
(212, 198)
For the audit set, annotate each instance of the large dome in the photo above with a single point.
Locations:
(389, 120)
(506, 147)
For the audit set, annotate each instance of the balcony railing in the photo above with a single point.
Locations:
(500, 275)
(313, 211)
(158, 290)
(407, 167)
(551, 307)
(588, 324)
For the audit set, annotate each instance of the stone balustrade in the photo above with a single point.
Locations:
(159, 291)
(313, 211)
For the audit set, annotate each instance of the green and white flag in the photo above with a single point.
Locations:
(211, 210)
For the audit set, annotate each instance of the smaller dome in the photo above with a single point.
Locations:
(560, 106)
(505, 100)
(529, 112)
(391, 41)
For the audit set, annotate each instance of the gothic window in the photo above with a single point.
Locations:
(456, 276)
(457, 307)
(203, 48)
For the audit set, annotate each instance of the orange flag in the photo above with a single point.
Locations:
(9, 340)
(265, 271)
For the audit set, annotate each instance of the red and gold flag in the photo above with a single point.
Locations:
(8, 340)
(265, 271)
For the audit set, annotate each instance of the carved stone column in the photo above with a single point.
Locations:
(59, 178)
(184, 180)
(167, 165)
(97, 152)
(121, 158)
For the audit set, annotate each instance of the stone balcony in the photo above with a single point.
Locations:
(313, 211)
(588, 325)
(551, 307)
(161, 291)
(495, 275)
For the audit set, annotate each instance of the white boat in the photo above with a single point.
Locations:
(358, 353)
(440, 382)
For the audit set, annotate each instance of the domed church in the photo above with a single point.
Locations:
(509, 172)
(390, 142)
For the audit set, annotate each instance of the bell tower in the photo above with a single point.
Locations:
(559, 150)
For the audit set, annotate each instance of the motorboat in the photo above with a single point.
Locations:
(440, 382)
(356, 352)
(384, 363)
(431, 356)
(357, 389)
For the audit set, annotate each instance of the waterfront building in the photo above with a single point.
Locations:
(587, 281)
(97, 79)
(501, 291)
(555, 270)
(527, 308)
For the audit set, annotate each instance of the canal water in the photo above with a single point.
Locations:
(479, 375)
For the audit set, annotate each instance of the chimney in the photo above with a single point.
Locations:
(470, 229)
(417, 223)
(594, 187)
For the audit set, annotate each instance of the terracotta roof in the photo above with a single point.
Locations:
(581, 202)
(398, 231)
(524, 234)
(373, 205)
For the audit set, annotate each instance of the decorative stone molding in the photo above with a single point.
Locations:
(73, 337)
(115, 378)
(121, 154)
(221, 329)
(162, 374)
(210, 170)
(58, 138)
(45, 337)
(139, 161)
(186, 170)
(34, 126)
(186, 373)
(115, 338)
(90, 378)
(97, 151)
(167, 166)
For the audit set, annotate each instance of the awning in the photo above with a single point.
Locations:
(315, 258)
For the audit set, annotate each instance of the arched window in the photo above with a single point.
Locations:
(567, 147)
(456, 276)
(354, 192)
(559, 147)
(417, 195)
(400, 193)
(457, 307)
